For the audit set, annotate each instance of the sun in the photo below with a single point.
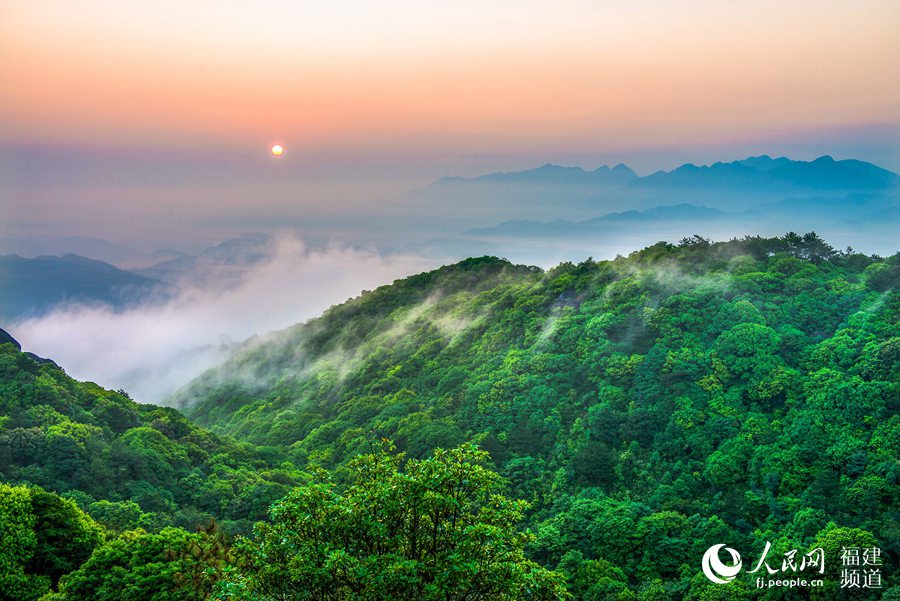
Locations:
(278, 150)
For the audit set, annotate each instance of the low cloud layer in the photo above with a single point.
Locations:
(151, 351)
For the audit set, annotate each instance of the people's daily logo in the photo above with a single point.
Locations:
(860, 567)
(716, 570)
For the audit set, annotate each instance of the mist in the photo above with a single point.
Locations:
(152, 351)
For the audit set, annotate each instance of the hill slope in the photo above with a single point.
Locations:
(687, 395)
(125, 463)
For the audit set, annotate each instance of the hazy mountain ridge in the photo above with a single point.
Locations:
(818, 212)
(120, 255)
(32, 287)
(222, 264)
(570, 219)
(549, 172)
(547, 191)
(687, 214)
(761, 172)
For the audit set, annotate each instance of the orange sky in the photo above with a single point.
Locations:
(442, 77)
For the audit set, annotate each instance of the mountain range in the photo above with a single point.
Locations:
(33, 287)
(603, 175)
(611, 223)
(541, 216)
(764, 172)
(120, 255)
(567, 213)
(571, 192)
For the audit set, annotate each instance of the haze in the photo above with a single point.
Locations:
(151, 121)
(152, 350)
(150, 125)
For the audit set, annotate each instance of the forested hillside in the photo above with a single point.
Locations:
(125, 463)
(628, 415)
(648, 407)
(94, 483)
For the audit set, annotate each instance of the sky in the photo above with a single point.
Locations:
(120, 119)
(149, 124)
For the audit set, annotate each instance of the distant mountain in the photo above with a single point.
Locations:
(752, 182)
(764, 162)
(545, 192)
(663, 213)
(120, 255)
(535, 241)
(613, 222)
(224, 263)
(33, 287)
(556, 192)
(620, 174)
(826, 173)
(765, 173)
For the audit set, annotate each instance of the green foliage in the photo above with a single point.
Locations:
(686, 395)
(42, 537)
(126, 464)
(433, 529)
(139, 566)
(647, 408)
(18, 542)
(66, 536)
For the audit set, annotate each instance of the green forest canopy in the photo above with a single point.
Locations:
(646, 408)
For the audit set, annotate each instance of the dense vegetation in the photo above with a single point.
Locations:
(125, 463)
(647, 407)
(644, 409)
(436, 530)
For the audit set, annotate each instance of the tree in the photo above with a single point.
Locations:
(138, 566)
(17, 545)
(42, 537)
(421, 530)
(66, 536)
